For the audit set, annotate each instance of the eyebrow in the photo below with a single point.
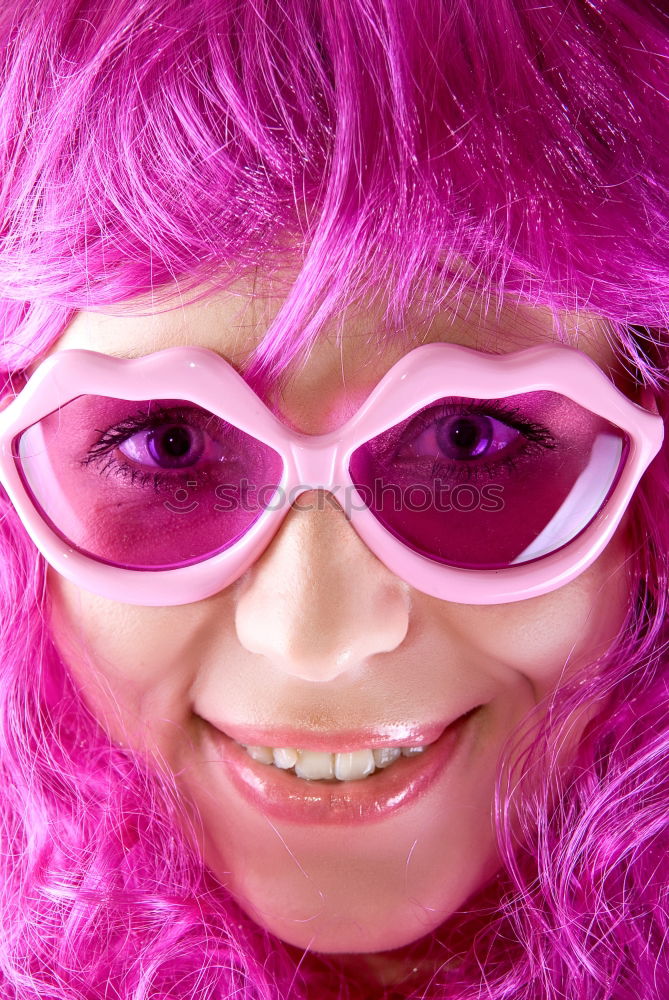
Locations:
(129, 355)
(135, 352)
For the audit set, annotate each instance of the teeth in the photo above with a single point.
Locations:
(262, 754)
(320, 765)
(285, 757)
(314, 764)
(354, 766)
(386, 755)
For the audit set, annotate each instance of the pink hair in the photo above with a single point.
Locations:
(413, 149)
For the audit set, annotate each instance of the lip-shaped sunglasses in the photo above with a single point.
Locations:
(476, 478)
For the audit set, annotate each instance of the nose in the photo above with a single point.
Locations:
(318, 603)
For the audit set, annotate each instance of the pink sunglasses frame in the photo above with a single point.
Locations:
(421, 376)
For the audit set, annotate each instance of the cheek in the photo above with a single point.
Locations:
(530, 647)
(548, 637)
(134, 665)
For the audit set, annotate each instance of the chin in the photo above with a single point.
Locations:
(344, 934)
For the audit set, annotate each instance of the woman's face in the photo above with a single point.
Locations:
(319, 646)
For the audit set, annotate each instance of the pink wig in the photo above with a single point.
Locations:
(410, 149)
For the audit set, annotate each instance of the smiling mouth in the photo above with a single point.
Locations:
(330, 789)
(321, 765)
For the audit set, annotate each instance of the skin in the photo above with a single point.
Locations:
(300, 641)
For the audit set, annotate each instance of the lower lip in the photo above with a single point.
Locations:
(282, 795)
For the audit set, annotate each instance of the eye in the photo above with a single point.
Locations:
(461, 437)
(171, 446)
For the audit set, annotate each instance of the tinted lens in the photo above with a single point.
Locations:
(484, 484)
(150, 484)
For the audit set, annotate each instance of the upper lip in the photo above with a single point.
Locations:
(339, 741)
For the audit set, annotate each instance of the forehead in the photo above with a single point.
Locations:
(321, 389)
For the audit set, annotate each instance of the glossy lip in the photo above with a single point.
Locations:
(282, 795)
(344, 741)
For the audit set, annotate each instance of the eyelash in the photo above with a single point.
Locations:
(536, 435)
(112, 437)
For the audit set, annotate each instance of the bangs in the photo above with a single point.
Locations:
(405, 148)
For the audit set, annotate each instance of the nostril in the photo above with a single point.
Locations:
(317, 610)
(317, 603)
(320, 644)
